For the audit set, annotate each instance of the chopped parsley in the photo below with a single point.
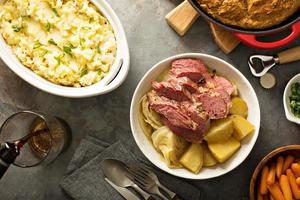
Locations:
(82, 40)
(55, 12)
(48, 26)
(59, 58)
(98, 49)
(86, 28)
(37, 45)
(17, 28)
(83, 72)
(68, 50)
(51, 41)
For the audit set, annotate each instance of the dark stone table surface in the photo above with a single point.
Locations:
(150, 40)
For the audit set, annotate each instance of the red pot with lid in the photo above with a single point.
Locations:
(250, 37)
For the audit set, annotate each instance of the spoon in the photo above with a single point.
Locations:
(116, 172)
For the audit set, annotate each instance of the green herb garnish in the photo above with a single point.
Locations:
(55, 12)
(86, 28)
(68, 50)
(83, 72)
(48, 26)
(37, 45)
(59, 58)
(82, 40)
(98, 49)
(51, 41)
(17, 28)
(295, 99)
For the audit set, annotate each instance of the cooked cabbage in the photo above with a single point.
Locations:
(68, 43)
(146, 128)
(169, 145)
(151, 117)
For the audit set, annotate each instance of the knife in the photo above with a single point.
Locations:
(124, 192)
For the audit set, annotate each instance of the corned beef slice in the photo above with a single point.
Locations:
(219, 82)
(188, 134)
(171, 110)
(187, 83)
(171, 90)
(184, 119)
(215, 102)
(191, 68)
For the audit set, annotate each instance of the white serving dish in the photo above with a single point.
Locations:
(114, 79)
(286, 101)
(246, 92)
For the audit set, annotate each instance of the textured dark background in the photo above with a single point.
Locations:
(150, 40)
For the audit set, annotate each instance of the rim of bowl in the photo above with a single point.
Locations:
(265, 160)
(288, 113)
(193, 55)
(117, 73)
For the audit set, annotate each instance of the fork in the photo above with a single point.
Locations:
(152, 177)
(145, 183)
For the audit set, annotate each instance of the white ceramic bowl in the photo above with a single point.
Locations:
(286, 100)
(114, 79)
(246, 92)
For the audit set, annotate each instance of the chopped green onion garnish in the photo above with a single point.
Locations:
(48, 26)
(295, 99)
(68, 50)
(55, 12)
(98, 49)
(82, 40)
(86, 28)
(59, 58)
(17, 28)
(83, 72)
(51, 41)
(37, 44)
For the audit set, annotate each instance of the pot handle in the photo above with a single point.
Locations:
(250, 40)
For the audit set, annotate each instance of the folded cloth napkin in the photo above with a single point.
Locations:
(85, 181)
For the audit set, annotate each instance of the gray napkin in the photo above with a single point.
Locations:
(85, 181)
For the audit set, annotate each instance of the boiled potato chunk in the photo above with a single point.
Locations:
(192, 159)
(220, 130)
(169, 145)
(223, 151)
(239, 107)
(242, 127)
(208, 159)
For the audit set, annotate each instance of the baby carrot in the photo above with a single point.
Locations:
(296, 169)
(265, 197)
(259, 196)
(287, 163)
(271, 175)
(285, 187)
(298, 181)
(263, 181)
(275, 192)
(293, 184)
(279, 166)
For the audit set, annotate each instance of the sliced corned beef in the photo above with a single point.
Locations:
(187, 83)
(191, 68)
(214, 81)
(194, 136)
(171, 110)
(171, 90)
(199, 116)
(215, 102)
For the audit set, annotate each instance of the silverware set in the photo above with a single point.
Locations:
(125, 178)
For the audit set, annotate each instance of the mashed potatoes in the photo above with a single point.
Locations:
(67, 42)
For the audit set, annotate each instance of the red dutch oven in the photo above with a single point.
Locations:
(249, 36)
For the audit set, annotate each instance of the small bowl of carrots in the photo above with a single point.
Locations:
(277, 176)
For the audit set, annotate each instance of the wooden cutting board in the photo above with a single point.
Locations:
(182, 18)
